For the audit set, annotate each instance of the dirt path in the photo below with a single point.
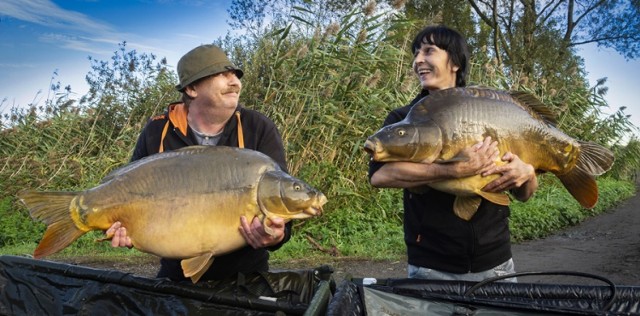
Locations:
(607, 245)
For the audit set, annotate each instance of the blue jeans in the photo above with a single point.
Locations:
(504, 268)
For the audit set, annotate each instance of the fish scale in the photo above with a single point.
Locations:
(450, 120)
(184, 204)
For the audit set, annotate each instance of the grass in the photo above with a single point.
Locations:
(552, 208)
(326, 93)
(370, 236)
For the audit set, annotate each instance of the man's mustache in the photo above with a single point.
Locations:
(231, 90)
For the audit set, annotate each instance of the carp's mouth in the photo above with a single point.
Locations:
(313, 211)
(316, 209)
(374, 148)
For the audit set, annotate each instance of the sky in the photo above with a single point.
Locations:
(41, 37)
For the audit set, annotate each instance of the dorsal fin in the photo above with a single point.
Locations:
(531, 103)
(144, 160)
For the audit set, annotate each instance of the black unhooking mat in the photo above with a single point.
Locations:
(430, 297)
(38, 287)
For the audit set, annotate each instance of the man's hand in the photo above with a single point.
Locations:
(255, 234)
(119, 236)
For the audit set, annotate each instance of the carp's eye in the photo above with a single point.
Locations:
(401, 132)
(297, 187)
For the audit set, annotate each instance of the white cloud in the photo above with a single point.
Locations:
(71, 30)
(71, 42)
(48, 14)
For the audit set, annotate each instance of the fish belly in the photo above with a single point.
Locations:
(182, 204)
(468, 186)
(188, 226)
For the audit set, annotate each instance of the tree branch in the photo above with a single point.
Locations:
(543, 19)
(601, 39)
(481, 14)
(586, 12)
(570, 24)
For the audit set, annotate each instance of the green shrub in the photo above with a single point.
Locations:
(327, 88)
(553, 208)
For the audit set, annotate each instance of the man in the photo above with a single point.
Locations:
(440, 245)
(209, 114)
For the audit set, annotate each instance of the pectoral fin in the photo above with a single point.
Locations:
(496, 198)
(266, 222)
(107, 237)
(195, 267)
(466, 206)
(460, 156)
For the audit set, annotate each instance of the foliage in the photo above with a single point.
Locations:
(628, 161)
(520, 27)
(327, 85)
(15, 226)
(551, 209)
(321, 92)
(71, 146)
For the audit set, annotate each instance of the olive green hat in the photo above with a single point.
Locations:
(203, 61)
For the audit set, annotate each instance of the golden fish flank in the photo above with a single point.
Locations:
(183, 204)
(439, 126)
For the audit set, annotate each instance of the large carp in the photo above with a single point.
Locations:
(440, 125)
(183, 204)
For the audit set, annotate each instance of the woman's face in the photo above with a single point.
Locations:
(434, 68)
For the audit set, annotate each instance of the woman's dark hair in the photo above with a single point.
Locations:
(450, 41)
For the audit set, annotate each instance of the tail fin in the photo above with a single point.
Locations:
(52, 208)
(594, 160)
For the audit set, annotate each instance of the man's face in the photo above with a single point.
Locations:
(221, 90)
(434, 68)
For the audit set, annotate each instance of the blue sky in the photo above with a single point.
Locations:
(38, 37)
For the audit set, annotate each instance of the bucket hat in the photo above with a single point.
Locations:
(203, 61)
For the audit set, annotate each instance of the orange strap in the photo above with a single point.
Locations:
(164, 133)
(176, 114)
(240, 135)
